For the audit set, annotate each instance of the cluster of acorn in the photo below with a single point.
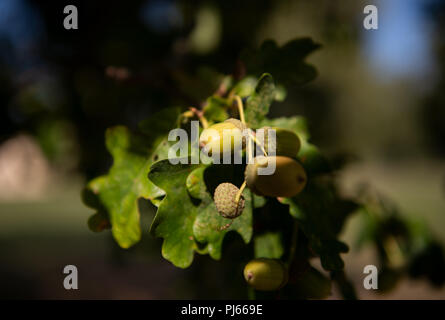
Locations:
(288, 179)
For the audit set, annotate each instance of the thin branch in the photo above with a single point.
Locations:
(200, 115)
(239, 103)
(240, 191)
(258, 143)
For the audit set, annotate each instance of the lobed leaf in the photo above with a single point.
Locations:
(187, 218)
(321, 214)
(269, 245)
(115, 195)
(215, 109)
(257, 105)
(286, 63)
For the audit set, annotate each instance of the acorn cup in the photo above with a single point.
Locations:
(225, 201)
(265, 274)
(212, 139)
(288, 180)
(286, 142)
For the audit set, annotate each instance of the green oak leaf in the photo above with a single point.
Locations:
(309, 155)
(297, 124)
(208, 219)
(115, 195)
(176, 212)
(100, 220)
(268, 245)
(320, 213)
(187, 218)
(126, 181)
(286, 63)
(319, 210)
(195, 183)
(245, 87)
(257, 105)
(208, 222)
(258, 201)
(215, 109)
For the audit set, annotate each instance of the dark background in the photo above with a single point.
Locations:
(379, 96)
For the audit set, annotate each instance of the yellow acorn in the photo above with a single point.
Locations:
(212, 139)
(266, 274)
(286, 142)
(288, 179)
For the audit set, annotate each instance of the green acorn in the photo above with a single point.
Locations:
(212, 139)
(237, 123)
(225, 201)
(288, 180)
(286, 142)
(266, 274)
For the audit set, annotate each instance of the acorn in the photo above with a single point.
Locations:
(225, 201)
(212, 139)
(266, 274)
(286, 142)
(288, 179)
(237, 123)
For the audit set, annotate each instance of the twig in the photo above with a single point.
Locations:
(226, 226)
(200, 115)
(239, 103)
(258, 143)
(240, 191)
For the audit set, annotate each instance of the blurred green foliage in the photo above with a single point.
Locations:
(120, 68)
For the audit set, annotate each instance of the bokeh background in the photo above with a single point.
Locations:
(379, 97)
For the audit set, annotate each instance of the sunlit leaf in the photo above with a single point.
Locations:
(187, 218)
(115, 195)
